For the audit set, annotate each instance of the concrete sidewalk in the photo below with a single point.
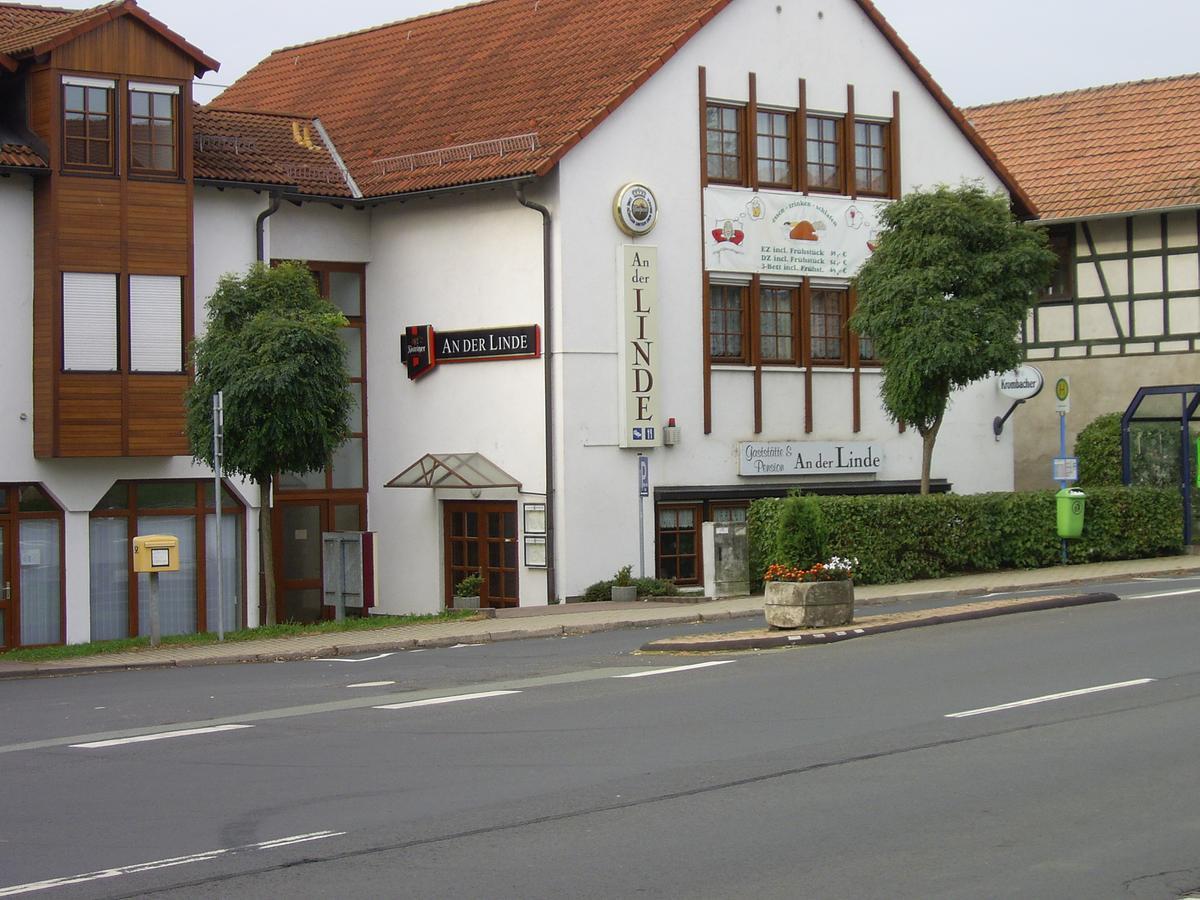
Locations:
(584, 618)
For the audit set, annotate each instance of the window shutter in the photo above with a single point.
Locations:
(155, 323)
(89, 322)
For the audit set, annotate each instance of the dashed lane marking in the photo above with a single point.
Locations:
(454, 698)
(362, 684)
(157, 736)
(1163, 594)
(646, 673)
(1049, 697)
(118, 871)
(352, 659)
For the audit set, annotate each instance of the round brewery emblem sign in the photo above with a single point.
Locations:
(635, 209)
(1021, 383)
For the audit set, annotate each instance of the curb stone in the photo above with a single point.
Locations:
(770, 640)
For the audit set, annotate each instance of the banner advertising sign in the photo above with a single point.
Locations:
(777, 233)
(638, 341)
(808, 458)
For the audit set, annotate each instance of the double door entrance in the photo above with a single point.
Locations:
(481, 538)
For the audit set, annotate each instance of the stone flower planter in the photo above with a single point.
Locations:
(809, 604)
(624, 593)
(466, 602)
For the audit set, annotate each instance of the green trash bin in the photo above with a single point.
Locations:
(1071, 502)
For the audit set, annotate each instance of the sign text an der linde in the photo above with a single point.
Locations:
(808, 458)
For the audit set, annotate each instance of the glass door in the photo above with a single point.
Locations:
(481, 538)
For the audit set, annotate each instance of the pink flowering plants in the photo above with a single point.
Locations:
(838, 568)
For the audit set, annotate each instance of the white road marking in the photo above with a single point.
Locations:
(371, 684)
(460, 646)
(118, 871)
(433, 701)
(158, 736)
(644, 673)
(1163, 594)
(1048, 697)
(348, 659)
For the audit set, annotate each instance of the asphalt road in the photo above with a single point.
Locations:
(878, 767)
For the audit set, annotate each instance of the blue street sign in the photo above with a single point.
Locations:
(644, 476)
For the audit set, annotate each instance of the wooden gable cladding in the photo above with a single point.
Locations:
(125, 45)
(110, 222)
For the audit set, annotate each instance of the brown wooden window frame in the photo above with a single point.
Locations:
(767, 145)
(734, 173)
(321, 271)
(173, 93)
(696, 509)
(108, 140)
(872, 142)
(822, 175)
(1062, 288)
(729, 314)
(776, 337)
(840, 317)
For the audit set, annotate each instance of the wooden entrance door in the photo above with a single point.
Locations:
(482, 537)
(678, 542)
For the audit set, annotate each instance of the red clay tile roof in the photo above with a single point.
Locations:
(21, 156)
(497, 89)
(41, 34)
(1113, 149)
(18, 16)
(537, 76)
(264, 148)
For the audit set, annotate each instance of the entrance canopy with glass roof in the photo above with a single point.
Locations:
(454, 470)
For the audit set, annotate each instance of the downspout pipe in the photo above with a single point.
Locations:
(260, 227)
(548, 374)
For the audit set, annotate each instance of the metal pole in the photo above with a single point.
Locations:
(154, 637)
(218, 442)
(1062, 453)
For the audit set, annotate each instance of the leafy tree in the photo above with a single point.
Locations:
(951, 280)
(272, 346)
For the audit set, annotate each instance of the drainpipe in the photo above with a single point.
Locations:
(259, 226)
(547, 342)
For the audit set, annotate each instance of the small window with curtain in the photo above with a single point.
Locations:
(723, 143)
(774, 142)
(867, 354)
(777, 324)
(828, 327)
(823, 154)
(726, 319)
(88, 112)
(153, 128)
(871, 147)
(89, 322)
(155, 323)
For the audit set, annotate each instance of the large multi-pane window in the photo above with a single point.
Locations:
(823, 153)
(723, 143)
(153, 128)
(871, 171)
(828, 326)
(777, 324)
(88, 116)
(774, 148)
(188, 600)
(726, 319)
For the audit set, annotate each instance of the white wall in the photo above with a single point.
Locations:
(654, 138)
(453, 262)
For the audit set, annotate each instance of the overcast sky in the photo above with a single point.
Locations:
(979, 51)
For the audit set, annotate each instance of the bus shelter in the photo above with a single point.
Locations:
(1159, 446)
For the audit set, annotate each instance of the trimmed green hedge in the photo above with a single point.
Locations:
(899, 538)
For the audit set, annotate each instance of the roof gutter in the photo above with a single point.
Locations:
(260, 226)
(548, 376)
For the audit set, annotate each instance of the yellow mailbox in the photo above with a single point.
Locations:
(156, 553)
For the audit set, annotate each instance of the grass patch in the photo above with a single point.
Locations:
(285, 629)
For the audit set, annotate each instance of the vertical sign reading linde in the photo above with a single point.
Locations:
(638, 340)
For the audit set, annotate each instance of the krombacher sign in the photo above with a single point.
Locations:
(792, 458)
